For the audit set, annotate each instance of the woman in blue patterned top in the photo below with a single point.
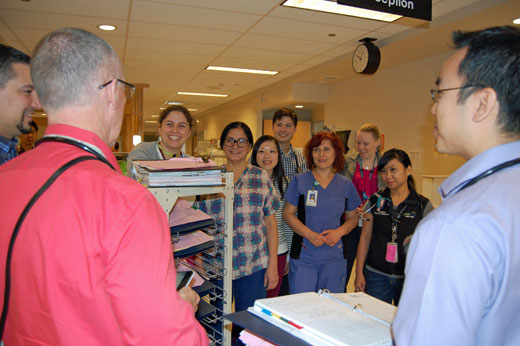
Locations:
(255, 234)
(267, 154)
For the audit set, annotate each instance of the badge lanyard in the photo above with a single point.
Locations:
(360, 163)
(391, 247)
(166, 157)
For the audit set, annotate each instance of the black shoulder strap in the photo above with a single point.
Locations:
(37, 195)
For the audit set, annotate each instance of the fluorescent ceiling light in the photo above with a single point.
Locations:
(175, 103)
(151, 121)
(516, 21)
(106, 27)
(192, 109)
(333, 7)
(154, 116)
(242, 70)
(298, 106)
(201, 94)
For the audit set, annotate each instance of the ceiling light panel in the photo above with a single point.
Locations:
(333, 7)
(240, 70)
(200, 94)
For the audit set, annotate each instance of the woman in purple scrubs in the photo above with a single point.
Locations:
(321, 197)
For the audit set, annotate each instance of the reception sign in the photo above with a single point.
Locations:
(420, 9)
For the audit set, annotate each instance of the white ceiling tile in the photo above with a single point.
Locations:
(282, 44)
(325, 18)
(191, 16)
(263, 54)
(252, 63)
(157, 45)
(339, 50)
(181, 33)
(53, 21)
(110, 9)
(305, 30)
(244, 6)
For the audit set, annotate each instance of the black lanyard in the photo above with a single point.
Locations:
(32, 201)
(491, 171)
(75, 143)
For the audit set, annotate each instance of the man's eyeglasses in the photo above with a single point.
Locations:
(436, 93)
(241, 142)
(129, 88)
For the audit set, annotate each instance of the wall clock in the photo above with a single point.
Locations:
(366, 57)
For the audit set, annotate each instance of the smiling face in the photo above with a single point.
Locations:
(283, 130)
(366, 144)
(324, 155)
(17, 101)
(235, 153)
(174, 132)
(395, 174)
(267, 156)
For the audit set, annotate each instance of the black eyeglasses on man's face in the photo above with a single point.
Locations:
(437, 93)
(129, 88)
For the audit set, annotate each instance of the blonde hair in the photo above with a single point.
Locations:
(372, 129)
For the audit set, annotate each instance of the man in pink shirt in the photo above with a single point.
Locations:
(92, 262)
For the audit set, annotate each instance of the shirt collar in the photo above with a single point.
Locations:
(84, 136)
(289, 152)
(477, 165)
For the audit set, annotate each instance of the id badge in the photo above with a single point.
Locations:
(312, 198)
(391, 252)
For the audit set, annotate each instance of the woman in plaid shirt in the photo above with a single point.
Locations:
(255, 235)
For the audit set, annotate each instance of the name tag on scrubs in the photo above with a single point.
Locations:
(312, 198)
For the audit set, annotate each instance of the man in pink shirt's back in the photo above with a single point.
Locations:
(92, 262)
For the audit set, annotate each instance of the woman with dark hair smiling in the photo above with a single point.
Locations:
(321, 197)
(391, 217)
(267, 154)
(175, 124)
(254, 224)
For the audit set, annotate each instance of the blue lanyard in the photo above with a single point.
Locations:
(360, 163)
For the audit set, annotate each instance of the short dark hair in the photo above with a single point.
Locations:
(401, 156)
(176, 108)
(337, 144)
(8, 57)
(33, 124)
(278, 173)
(286, 112)
(493, 61)
(236, 125)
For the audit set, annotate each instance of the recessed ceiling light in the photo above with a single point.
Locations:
(154, 116)
(192, 109)
(516, 21)
(298, 106)
(241, 70)
(196, 121)
(333, 7)
(175, 103)
(151, 121)
(106, 27)
(201, 94)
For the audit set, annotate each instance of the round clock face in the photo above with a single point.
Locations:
(360, 58)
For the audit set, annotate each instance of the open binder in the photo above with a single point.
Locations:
(343, 319)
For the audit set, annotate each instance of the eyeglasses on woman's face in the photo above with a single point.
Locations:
(241, 142)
